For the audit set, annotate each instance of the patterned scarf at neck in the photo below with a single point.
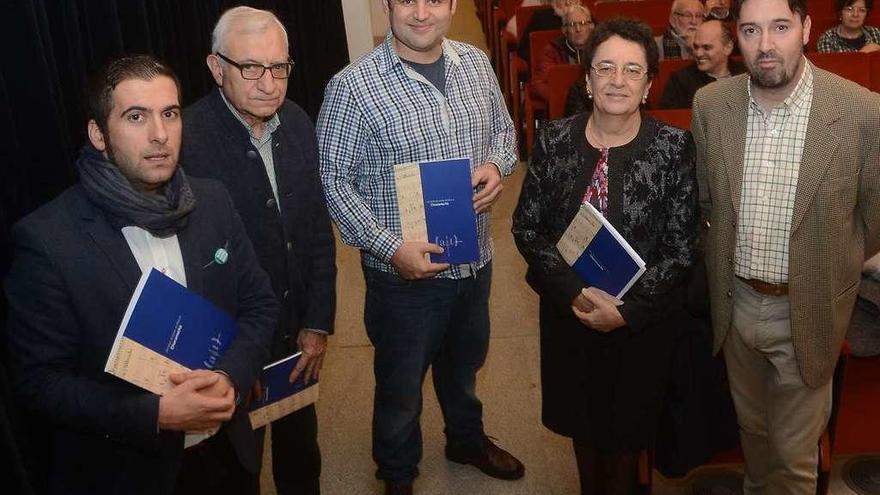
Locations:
(597, 191)
(162, 214)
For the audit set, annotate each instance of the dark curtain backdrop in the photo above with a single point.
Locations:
(51, 46)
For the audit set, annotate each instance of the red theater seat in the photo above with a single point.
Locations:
(679, 117)
(667, 67)
(655, 13)
(854, 66)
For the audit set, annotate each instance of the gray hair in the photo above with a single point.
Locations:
(574, 8)
(246, 19)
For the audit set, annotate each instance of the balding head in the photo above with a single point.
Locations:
(712, 47)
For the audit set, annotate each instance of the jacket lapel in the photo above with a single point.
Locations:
(194, 258)
(733, 142)
(820, 145)
(111, 242)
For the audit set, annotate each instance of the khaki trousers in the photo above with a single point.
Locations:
(780, 418)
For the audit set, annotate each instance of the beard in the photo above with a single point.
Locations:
(773, 78)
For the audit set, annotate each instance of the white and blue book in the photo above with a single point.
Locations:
(278, 396)
(167, 329)
(599, 254)
(435, 200)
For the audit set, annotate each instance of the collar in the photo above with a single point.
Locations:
(270, 124)
(801, 94)
(388, 57)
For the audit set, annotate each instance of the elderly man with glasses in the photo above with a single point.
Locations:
(262, 147)
(577, 24)
(684, 19)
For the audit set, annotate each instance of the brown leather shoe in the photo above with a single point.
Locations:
(491, 459)
(392, 488)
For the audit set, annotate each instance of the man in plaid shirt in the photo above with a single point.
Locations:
(418, 97)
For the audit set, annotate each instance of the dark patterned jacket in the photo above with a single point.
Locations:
(652, 197)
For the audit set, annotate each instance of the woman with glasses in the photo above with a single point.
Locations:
(851, 35)
(604, 364)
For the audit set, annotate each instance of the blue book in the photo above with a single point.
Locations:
(435, 200)
(167, 329)
(279, 397)
(599, 254)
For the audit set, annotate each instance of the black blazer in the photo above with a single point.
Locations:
(295, 247)
(68, 288)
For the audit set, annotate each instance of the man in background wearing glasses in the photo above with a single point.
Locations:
(262, 147)
(684, 19)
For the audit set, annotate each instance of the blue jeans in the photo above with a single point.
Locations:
(441, 323)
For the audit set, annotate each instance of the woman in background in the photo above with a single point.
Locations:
(851, 35)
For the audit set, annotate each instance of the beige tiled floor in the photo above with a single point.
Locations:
(508, 384)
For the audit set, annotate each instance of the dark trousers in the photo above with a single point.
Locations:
(441, 323)
(296, 459)
(213, 467)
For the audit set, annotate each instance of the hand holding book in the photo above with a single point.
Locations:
(597, 309)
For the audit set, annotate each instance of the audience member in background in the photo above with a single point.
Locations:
(511, 22)
(851, 35)
(544, 20)
(567, 49)
(712, 48)
(685, 17)
(718, 9)
(864, 331)
(604, 363)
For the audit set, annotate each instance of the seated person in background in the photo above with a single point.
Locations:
(851, 35)
(567, 49)
(544, 20)
(864, 330)
(684, 19)
(712, 48)
(511, 23)
(718, 9)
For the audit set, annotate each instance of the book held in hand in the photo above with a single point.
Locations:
(435, 200)
(279, 397)
(599, 254)
(167, 329)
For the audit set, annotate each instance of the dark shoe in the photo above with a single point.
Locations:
(490, 459)
(392, 488)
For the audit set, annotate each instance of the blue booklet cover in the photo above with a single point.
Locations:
(166, 329)
(436, 205)
(599, 254)
(279, 397)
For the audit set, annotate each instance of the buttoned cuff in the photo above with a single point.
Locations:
(385, 245)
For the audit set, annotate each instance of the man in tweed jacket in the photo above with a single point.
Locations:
(788, 159)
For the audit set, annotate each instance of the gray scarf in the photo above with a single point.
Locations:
(161, 214)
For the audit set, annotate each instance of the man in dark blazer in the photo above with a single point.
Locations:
(262, 146)
(77, 262)
(788, 160)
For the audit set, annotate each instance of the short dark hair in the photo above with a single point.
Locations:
(840, 4)
(99, 99)
(630, 30)
(797, 6)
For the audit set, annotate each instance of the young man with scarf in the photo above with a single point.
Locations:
(77, 262)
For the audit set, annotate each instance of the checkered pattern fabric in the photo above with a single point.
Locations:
(774, 145)
(379, 112)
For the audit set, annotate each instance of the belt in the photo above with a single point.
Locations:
(766, 288)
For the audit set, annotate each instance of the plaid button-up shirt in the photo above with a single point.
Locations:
(379, 112)
(774, 146)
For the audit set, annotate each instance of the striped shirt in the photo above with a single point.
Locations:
(263, 144)
(774, 146)
(379, 112)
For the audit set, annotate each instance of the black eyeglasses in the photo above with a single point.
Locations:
(252, 72)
